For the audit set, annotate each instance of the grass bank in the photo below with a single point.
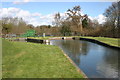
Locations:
(30, 60)
(109, 41)
(46, 38)
(43, 38)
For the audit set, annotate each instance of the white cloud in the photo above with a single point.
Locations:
(9, 12)
(91, 18)
(100, 18)
(30, 18)
(37, 18)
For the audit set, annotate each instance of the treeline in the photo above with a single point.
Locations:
(14, 25)
(73, 24)
(18, 26)
(77, 24)
(111, 28)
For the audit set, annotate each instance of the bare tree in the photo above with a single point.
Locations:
(113, 16)
(76, 17)
(57, 19)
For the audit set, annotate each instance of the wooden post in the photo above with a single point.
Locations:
(43, 34)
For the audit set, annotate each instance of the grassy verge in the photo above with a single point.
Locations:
(110, 41)
(30, 60)
(43, 38)
(47, 38)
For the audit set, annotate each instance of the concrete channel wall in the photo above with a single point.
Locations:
(34, 40)
(100, 43)
(37, 40)
(70, 38)
(71, 61)
(91, 40)
(59, 38)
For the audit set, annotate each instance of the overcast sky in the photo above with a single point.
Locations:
(42, 13)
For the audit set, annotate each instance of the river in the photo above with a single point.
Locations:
(94, 60)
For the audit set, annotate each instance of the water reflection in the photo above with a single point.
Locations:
(109, 65)
(96, 61)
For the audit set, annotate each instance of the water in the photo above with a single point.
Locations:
(94, 60)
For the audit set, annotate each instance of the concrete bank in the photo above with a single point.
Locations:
(70, 38)
(61, 38)
(37, 40)
(100, 43)
(78, 69)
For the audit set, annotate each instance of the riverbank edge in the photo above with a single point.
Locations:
(78, 69)
(100, 43)
(88, 39)
(78, 38)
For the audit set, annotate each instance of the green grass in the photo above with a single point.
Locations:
(110, 41)
(43, 38)
(30, 60)
(47, 38)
